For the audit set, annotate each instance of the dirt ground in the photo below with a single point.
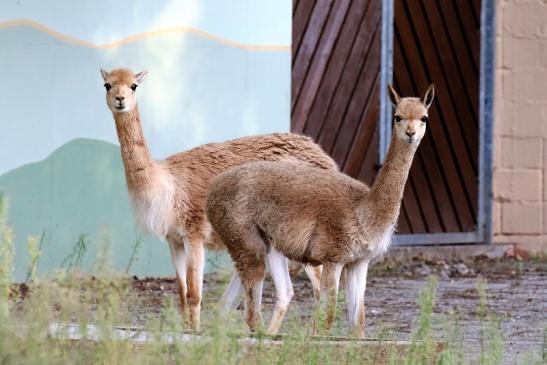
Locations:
(516, 291)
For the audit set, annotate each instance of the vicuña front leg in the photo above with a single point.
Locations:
(279, 269)
(330, 279)
(195, 266)
(356, 283)
(178, 256)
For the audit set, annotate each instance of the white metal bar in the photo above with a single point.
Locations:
(486, 119)
(436, 238)
(386, 76)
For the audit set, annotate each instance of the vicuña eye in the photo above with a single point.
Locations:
(397, 119)
(134, 87)
(107, 86)
(425, 119)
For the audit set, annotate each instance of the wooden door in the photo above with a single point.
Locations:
(336, 79)
(336, 60)
(439, 41)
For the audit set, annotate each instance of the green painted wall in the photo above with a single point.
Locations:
(79, 192)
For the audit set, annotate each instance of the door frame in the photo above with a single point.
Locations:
(483, 230)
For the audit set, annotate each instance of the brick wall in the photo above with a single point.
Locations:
(520, 132)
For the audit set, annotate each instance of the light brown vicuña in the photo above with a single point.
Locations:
(265, 210)
(169, 195)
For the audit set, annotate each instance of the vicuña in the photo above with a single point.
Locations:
(169, 195)
(266, 212)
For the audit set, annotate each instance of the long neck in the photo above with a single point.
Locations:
(136, 157)
(383, 202)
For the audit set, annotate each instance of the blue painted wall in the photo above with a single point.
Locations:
(218, 70)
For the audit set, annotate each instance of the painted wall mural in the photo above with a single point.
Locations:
(217, 70)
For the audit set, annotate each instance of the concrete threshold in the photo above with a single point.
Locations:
(378, 350)
(449, 253)
(91, 332)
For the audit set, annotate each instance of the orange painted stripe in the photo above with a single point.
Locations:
(140, 36)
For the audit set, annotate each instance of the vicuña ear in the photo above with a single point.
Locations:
(428, 97)
(141, 76)
(104, 74)
(393, 96)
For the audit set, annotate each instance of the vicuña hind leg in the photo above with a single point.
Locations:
(279, 269)
(249, 254)
(330, 279)
(356, 283)
(252, 278)
(314, 274)
(230, 299)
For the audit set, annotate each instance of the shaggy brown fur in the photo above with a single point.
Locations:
(315, 217)
(169, 196)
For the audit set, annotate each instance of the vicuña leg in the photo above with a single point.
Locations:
(178, 255)
(252, 279)
(356, 283)
(314, 274)
(251, 267)
(279, 269)
(330, 279)
(195, 265)
(230, 299)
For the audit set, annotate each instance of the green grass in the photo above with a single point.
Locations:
(98, 298)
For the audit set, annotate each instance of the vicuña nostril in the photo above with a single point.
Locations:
(410, 133)
(120, 98)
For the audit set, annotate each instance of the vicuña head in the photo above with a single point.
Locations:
(410, 115)
(121, 85)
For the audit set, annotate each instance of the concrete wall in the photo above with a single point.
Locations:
(217, 70)
(520, 132)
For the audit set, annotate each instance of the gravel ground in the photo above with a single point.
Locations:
(516, 291)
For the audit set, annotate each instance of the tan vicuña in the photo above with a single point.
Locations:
(266, 212)
(169, 195)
